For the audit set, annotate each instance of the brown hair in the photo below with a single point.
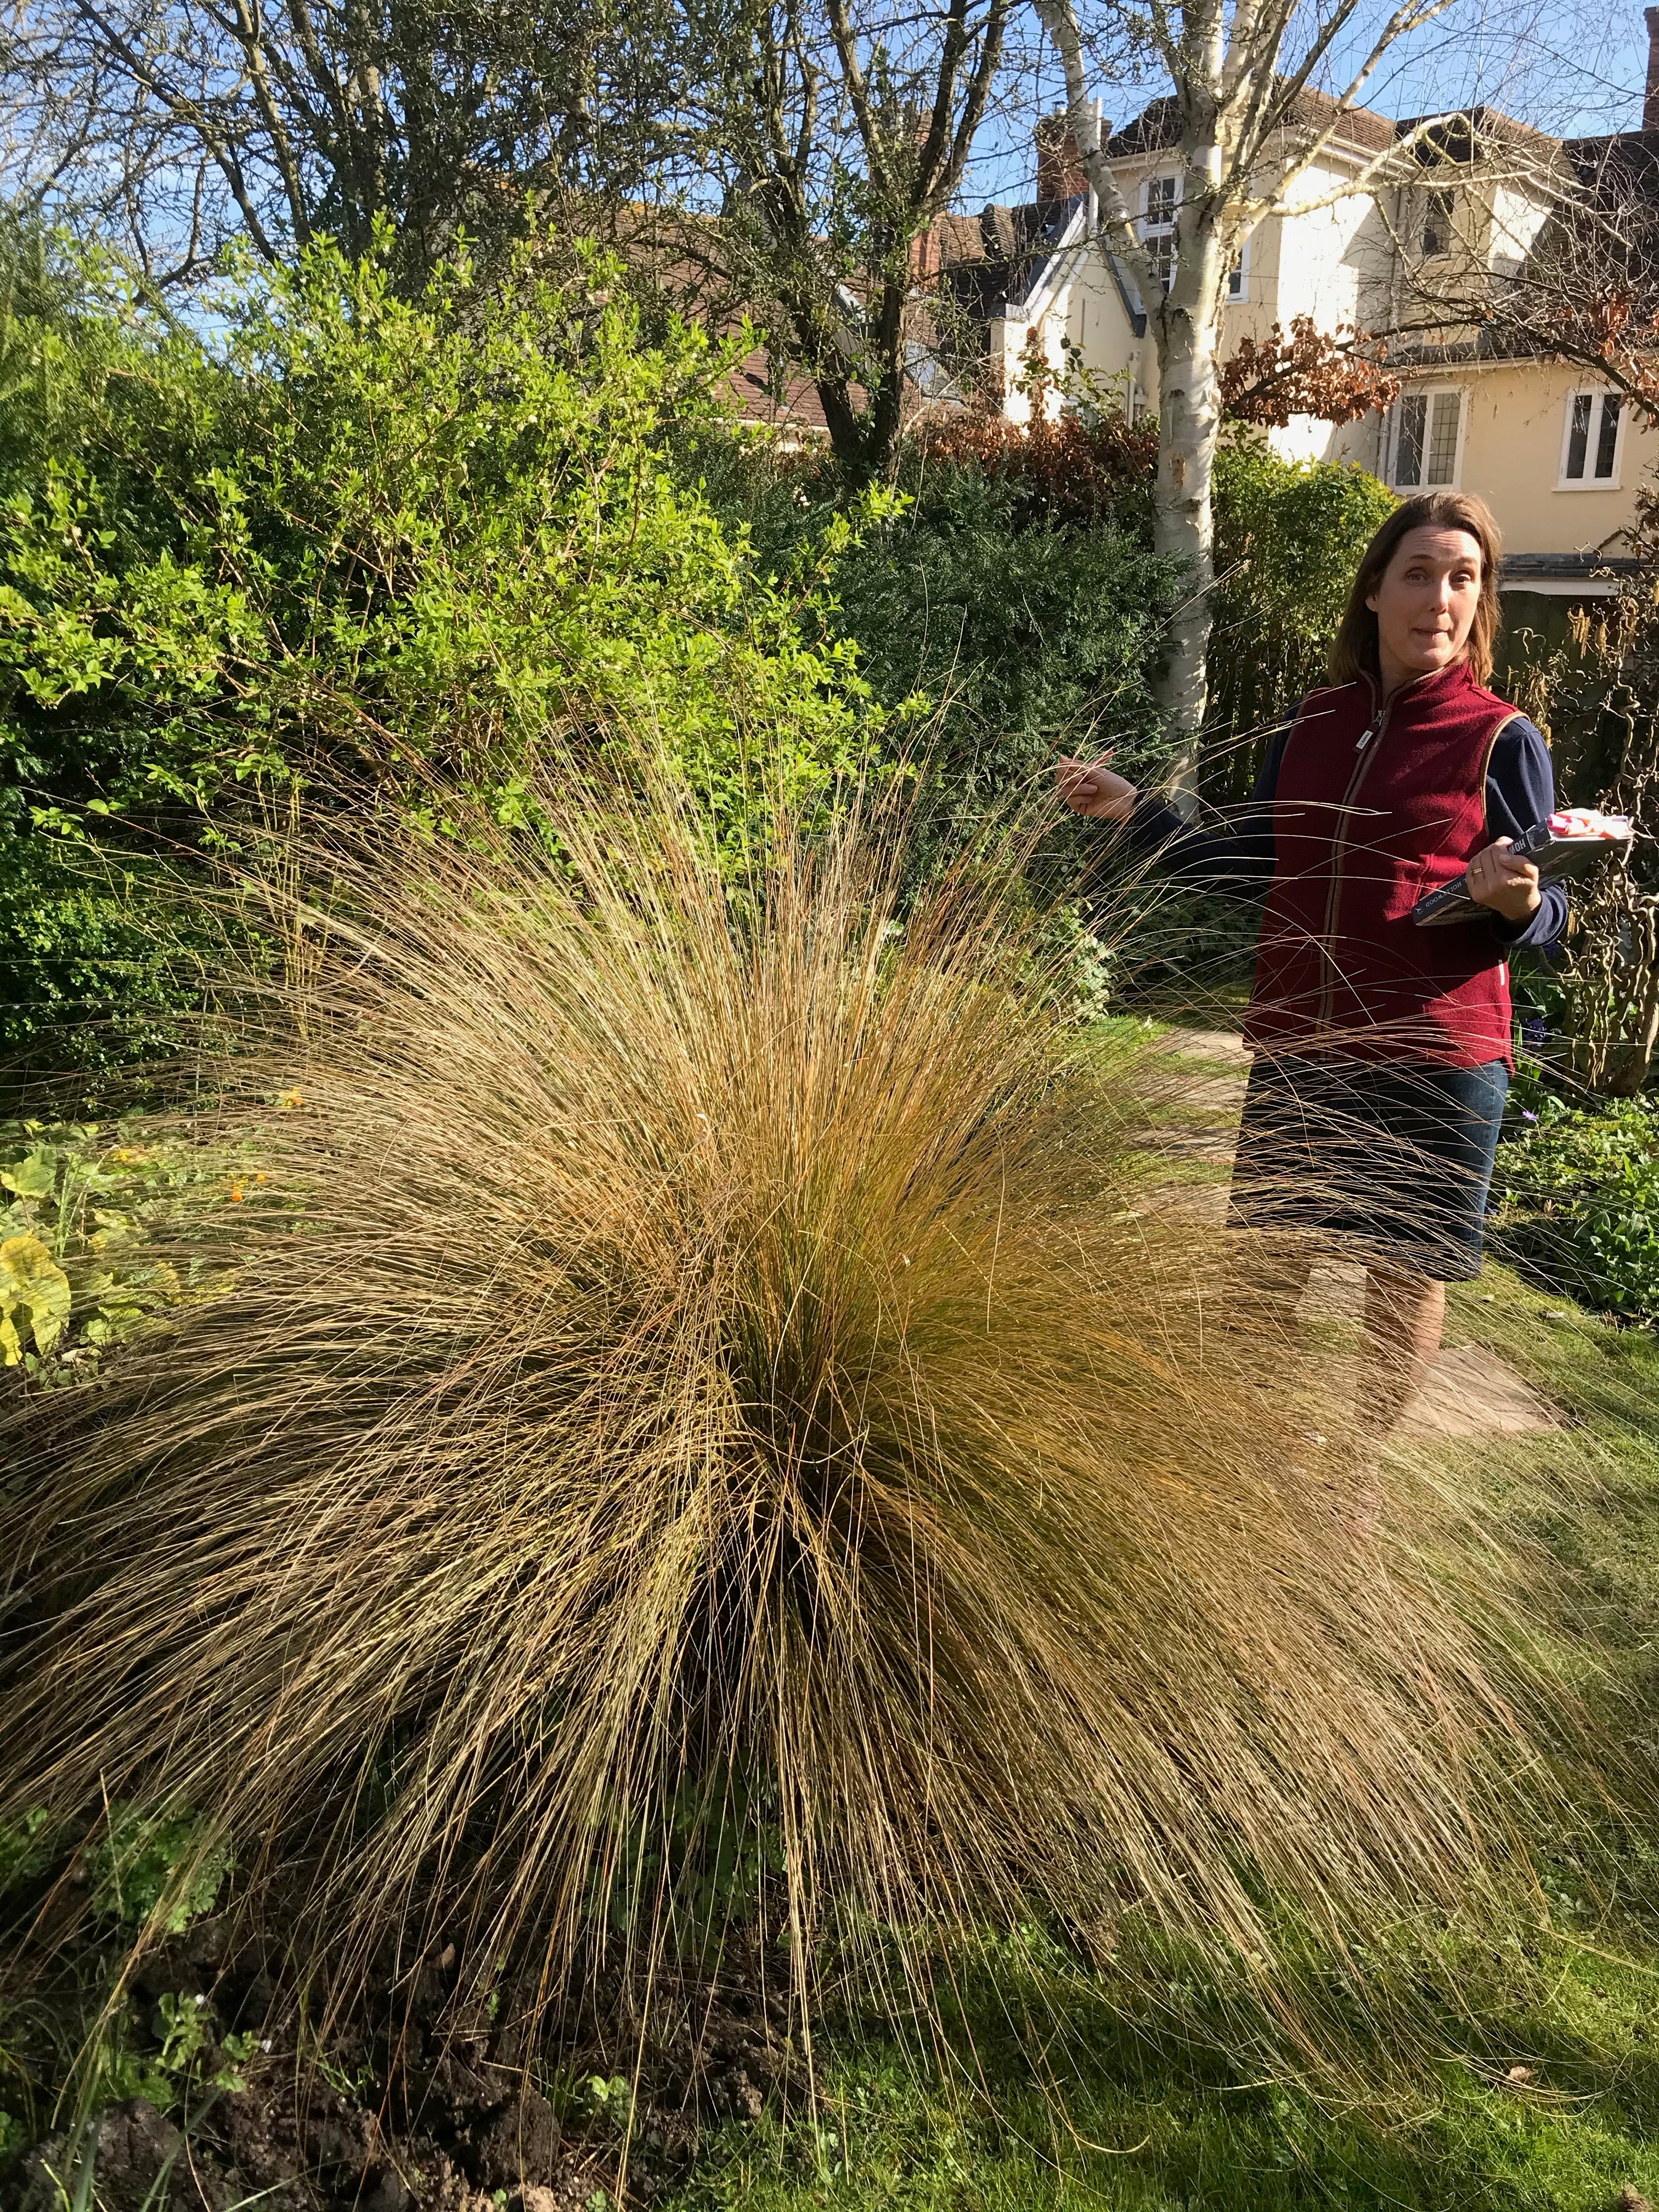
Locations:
(1353, 650)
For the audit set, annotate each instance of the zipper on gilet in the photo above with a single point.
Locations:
(1371, 740)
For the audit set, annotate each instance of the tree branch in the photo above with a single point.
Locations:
(187, 111)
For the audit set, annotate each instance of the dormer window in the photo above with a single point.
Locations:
(1436, 224)
(1157, 226)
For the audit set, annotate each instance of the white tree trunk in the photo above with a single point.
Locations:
(1186, 326)
(1242, 146)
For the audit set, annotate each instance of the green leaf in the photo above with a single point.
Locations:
(34, 1291)
(34, 1177)
(153, 1863)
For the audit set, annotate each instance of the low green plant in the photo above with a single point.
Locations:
(610, 2096)
(193, 2053)
(353, 2081)
(25, 1847)
(157, 1869)
(104, 1228)
(1577, 1198)
(175, 2055)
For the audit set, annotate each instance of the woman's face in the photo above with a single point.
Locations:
(1425, 605)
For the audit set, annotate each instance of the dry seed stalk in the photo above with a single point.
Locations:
(706, 1370)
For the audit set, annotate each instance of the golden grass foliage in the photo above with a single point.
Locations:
(698, 1365)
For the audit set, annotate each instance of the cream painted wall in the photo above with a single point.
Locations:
(1079, 302)
(1517, 218)
(1512, 457)
(1335, 264)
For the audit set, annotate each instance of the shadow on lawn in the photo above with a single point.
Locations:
(1041, 2113)
(1535, 2088)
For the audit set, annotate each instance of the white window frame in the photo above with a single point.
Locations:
(1429, 394)
(1594, 392)
(1166, 228)
(1163, 229)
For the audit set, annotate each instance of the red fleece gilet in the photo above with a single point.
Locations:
(1377, 805)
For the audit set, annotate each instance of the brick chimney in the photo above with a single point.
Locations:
(1060, 173)
(1650, 104)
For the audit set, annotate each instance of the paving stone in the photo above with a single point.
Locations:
(1468, 1392)
(1471, 1392)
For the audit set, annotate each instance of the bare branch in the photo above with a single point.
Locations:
(189, 111)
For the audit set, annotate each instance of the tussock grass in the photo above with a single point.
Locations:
(715, 1404)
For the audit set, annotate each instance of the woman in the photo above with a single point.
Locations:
(1382, 1050)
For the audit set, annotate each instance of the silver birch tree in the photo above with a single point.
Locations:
(1252, 128)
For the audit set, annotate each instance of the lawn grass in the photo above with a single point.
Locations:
(1094, 2108)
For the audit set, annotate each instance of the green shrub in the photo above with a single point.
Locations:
(1027, 634)
(1578, 1199)
(103, 949)
(344, 534)
(173, 2055)
(1009, 608)
(1028, 613)
(1031, 620)
(1002, 614)
(1289, 535)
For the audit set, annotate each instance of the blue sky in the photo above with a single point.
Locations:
(1566, 66)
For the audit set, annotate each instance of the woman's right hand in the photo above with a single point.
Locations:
(1091, 788)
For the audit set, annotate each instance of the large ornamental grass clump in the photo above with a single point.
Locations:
(715, 1409)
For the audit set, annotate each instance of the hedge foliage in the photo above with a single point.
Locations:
(326, 533)
(1289, 536)
(333, 532)
(1578, 1199)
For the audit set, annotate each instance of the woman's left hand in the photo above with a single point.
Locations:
(1505, 882)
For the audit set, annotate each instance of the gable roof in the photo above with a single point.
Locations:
(1158, 126)
(788, 403)
(1459, 130)
(996, 261)
(1619, 169)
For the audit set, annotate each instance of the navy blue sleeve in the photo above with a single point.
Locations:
(1237, 857)
(1520, 794)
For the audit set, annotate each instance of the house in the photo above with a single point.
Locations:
(1556, 453)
